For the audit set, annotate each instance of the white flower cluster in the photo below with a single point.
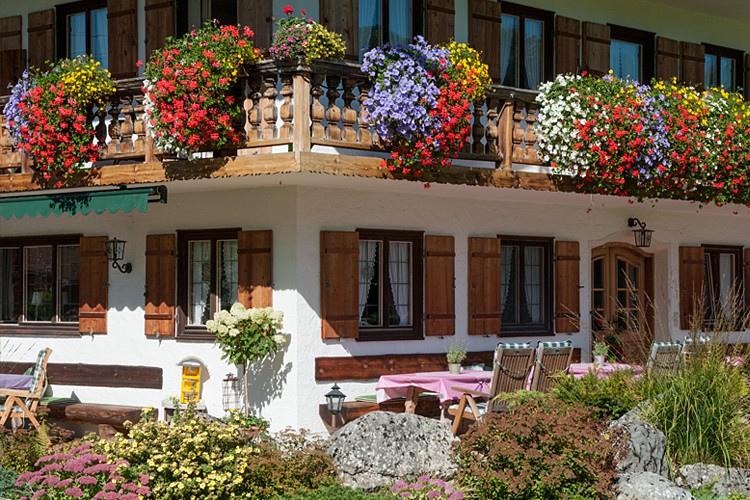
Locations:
(229, 323)
(166, 143)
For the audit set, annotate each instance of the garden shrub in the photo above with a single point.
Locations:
(8, 488)
(608, 397)
(426, 488)
(335, 492)
(20, 450)
(542, 449)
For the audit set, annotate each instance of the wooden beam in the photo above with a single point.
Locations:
(138, 377)
(95, 414)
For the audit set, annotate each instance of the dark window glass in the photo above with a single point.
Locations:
(722, 285)
(721, 65)
(82, 29)
(525, 37)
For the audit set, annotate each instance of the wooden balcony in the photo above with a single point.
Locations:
(309, 114)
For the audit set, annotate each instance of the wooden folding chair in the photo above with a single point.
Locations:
(664, 358)
(691, 345)
(23, 404)
(510, 373)
(551, 357)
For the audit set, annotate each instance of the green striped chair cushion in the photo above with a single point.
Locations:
(554, 344)
(701, 339)
(372, 398)
(513, 345)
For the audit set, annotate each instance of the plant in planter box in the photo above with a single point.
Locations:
(455, 356)
(600, 350)
(189, 85)
(298, 38)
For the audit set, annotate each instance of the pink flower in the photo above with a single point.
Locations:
(74, 492)
(288, 10)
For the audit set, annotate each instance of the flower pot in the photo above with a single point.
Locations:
(454, 368)
(599, 360)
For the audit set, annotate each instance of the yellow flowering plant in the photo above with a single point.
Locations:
(474, 74)
(300, 38)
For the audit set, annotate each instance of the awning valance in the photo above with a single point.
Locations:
(99, 202)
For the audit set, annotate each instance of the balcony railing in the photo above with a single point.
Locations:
(304, 107)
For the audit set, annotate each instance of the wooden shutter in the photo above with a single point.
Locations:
(567, 45)
(12, 56)
(160, 284)
(747, 77)
(746, 278)
(693, 63)
(567, 293)
(342, 16)
(122, 35)
(596, 48)
(439, 283)
(692, 266)
(94, 285)
(339, 277)
(484, 33)
(10, 33)
(667, 59)
(440, 21)
(41, 38)
(254, 268)
(159, 23)
(258, 15)
(485, 304)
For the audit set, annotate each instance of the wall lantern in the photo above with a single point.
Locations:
(335, 399)
(116, 253)
(642, 236)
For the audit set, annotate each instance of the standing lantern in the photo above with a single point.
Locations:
(335, 399)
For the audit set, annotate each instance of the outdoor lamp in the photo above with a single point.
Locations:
(642, 236)
(335, 399)
(116, 253)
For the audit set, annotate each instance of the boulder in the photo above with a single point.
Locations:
(640, 446)
(380, 448)
(723, 481)
(648, 486)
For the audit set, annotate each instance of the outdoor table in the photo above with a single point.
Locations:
(19, 382)
(578, 370)
(408, 385)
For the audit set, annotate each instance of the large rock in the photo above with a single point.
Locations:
(381, 447)
(640, 446)
(723, 481)
(648, 486)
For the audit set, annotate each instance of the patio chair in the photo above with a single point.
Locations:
(511, 366)
(688, 345)
(664, 358)
(551, 357)
(22, 404)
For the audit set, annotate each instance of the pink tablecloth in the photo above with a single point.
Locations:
(396, 386)
(8, 381)
(578, 370)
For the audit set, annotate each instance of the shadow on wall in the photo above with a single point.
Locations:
(266, 380)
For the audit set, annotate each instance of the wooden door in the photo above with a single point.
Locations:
(621, 287)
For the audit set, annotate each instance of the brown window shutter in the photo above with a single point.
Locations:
(667, 59)
(746, 276)
(159, 23)
(254, 268)
(439, 284)
(10, 33)
(41, 38)
(342, 17)
(692, 265)
(567, 293)
(258, 15)
(160, 284)
(567, 45)
(485, 304)
(440, 21)
(339, 277)
(596, 48)
(484, 33)
(122, 36)
(94, 285)
(12, 56)
(693, 63)
(747, 77)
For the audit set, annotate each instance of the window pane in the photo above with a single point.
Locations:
(509, 283)
(399, 274)
(726, 277)
(599, 273)
(99, 36)
(77, 34)
(39, 283)
(399, 22)
(200, 282)
(711, 70)
(369, 283)
(509, 50)
(225, 11)
(532, 283)
(10, 285)
(727, 73)
(228, 282)
(370, 24)
(533, 58)
(69, 261)
(625, 59)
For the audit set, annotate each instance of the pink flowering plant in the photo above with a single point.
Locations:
(83, 474)
(426, 488)
(297, 38)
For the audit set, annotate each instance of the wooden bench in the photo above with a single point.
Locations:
(108, 418)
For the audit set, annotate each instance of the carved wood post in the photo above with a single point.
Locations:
(477, 129)
(301, 131)
(317, 112)
(286, 111)
(349, 117)
(270, 114)
(365, 135)
(254, 113)
(530, 154)
(333, 113)
(518, 132)
(491, 132)
(505, 136)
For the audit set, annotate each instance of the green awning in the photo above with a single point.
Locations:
(98, 202)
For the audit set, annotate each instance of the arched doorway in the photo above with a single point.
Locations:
(622, 282)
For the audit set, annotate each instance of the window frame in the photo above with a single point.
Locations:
(385, 332)
(547, 295)
(417, 23)
(644, 38)
(727, 53)
(62, 11)
(42, 328)
(548, 18)
(185, 331)
(737, 279)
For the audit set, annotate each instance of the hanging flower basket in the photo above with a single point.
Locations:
(300, 39)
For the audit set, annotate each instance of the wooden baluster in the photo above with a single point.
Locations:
(477, 129)
(530, 155)
(252, 107)
(317, 112)
(100, 130)
(333, 113)
(286, 110)
(505, 132)
(518, 132)
(491, 132)
(349, 117)
(113, 129)
(126, 126)
(139, 125)
(270, 113)
(364, 132)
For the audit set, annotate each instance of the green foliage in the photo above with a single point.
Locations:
(20, 450)
(246, 421)
(706, 492)
(543, 449)
(335, 492)
(608, 397)
(247, 335)
(8, 488)
(456, 353)
(518, 398)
